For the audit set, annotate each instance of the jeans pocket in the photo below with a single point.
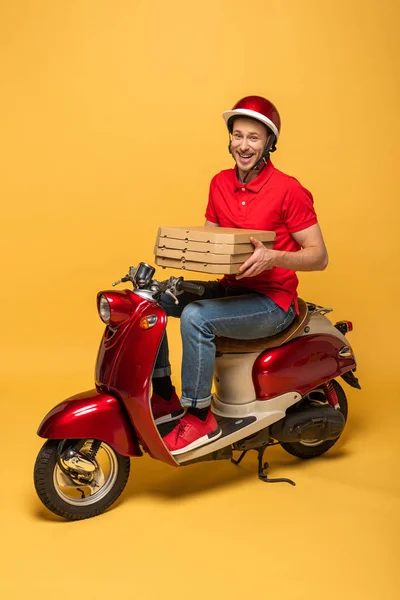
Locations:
(289, 317)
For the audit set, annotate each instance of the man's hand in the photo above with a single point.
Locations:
(262, 258)
(312, 256)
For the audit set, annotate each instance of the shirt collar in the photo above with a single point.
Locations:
(257, 183)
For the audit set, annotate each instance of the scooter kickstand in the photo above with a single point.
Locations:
(263, 467)
(241, 457)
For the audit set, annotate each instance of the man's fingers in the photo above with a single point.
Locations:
(246, 264)
(248, 273)
(254, 270)
(255, 242)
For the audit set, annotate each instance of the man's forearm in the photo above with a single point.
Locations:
(306, 259)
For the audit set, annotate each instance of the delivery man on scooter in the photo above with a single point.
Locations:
(259, 302)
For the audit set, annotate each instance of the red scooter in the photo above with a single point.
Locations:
(267, 391)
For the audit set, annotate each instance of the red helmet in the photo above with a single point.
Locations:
(257, 108)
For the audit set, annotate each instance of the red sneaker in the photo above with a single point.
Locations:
(166, 410)
(191, 433)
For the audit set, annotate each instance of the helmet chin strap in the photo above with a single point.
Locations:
(260, 164)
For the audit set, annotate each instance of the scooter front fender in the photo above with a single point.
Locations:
(92, 415)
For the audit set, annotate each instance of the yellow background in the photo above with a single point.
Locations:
(111, 126)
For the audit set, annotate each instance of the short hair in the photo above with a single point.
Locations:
(232, 119)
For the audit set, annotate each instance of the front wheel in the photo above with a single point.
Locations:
(85, 484)
(311, 449)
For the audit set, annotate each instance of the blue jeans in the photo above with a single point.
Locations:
(228, 312)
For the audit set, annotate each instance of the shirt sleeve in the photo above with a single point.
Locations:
(211, 213)
(298, 208)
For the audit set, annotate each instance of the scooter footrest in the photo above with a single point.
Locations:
(230, 425)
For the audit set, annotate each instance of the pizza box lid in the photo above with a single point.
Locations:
(218, 235)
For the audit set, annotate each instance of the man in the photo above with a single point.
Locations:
(261, 300)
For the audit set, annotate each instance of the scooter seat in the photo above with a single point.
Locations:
(225, 345)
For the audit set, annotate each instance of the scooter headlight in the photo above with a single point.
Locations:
(104, 310)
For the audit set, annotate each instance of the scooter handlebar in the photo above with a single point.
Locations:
(190, 286)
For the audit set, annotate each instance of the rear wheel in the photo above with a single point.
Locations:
(75, 494)
(313, 448)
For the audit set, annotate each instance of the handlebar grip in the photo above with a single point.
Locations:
(190, 286)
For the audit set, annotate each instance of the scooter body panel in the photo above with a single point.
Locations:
(300, 365)
(124, 367)
(116, 333)
(92, 415)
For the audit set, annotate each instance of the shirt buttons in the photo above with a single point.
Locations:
(243, 203)
(243, 189)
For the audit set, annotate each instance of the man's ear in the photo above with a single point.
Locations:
(271, 141)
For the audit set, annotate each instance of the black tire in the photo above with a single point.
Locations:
(44, 475)
(301, 450)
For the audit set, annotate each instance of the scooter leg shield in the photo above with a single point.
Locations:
(92, 415)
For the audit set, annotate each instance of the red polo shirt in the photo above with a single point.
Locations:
(273, 201)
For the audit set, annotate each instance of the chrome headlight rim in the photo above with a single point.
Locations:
(104, 309)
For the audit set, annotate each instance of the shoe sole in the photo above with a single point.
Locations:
(171, 417)
(205, 439)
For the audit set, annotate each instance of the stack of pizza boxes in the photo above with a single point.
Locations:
(208, 249)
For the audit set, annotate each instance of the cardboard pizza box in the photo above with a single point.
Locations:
(205, 257)
(211, 247)
(221, 269)
(219, 250)
(216, 235)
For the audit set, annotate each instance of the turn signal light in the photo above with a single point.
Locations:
(148, 322)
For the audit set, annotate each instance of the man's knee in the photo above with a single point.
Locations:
(192, 316)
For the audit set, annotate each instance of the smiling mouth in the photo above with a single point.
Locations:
(245, 156)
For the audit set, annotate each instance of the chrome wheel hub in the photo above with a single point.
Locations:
(81, 480)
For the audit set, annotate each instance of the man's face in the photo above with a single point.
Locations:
(248, 142)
